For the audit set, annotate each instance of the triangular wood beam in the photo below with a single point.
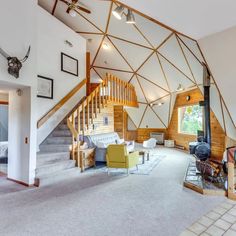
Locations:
(107, 26)
(189, 49)
(141, 88)
(172, 64)
(114, 69)
(142, 116)
(163, 72)
(186, 60)
(158, 99)
(152, 19)
(216, 85)
(153, 83)
(120, 53)
(54, 7)
(158, 117)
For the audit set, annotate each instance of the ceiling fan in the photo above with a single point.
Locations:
(73, 6)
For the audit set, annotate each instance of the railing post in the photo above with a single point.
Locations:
(87, 117)
(83, 118)
(78, 120)
(73, 138)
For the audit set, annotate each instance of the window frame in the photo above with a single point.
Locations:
(189, 105)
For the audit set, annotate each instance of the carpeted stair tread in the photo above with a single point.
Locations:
(58, 140)
(55, 147)
(47, 157)
(53, 167)
(57, 176)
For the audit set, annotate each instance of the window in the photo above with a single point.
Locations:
(190, 119)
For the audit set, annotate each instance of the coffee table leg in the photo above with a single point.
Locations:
(148, 156)
(143, 158)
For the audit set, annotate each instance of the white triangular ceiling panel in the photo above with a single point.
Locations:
(172, 51)
(150, 120)
(138, 90)
(47, 4)
(121, 75)
(230, 128)
(99, 12)
(95, 78)
(131, 125)
(121, 29)
(77, 23)
(194, 64)
(136, 114)
(216, 104)
(154, 32)
(192, 45)
(111, 58)
(175, 77)
(172, 104)
(152, 92)
(152, 71)
(163, 110)
(128, 50)
(93, 42)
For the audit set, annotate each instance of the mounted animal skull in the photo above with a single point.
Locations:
(14, 64)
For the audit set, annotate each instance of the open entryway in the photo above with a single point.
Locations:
(3, 132)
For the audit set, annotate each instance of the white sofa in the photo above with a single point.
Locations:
(101, 141)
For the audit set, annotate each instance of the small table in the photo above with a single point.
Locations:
(143, 153)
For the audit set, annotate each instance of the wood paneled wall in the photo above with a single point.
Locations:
(119, 121)
(99, 127)
(218, 134)
(144, 134)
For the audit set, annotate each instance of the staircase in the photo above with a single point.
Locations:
(58, 156)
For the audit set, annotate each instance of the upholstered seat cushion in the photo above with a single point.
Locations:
(102, 141)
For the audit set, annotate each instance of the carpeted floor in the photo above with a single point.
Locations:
(95, 204)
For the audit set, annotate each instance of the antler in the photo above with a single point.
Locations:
(26, 56)
(4, 53)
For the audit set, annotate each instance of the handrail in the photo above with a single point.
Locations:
(112, 89)
(52, 111)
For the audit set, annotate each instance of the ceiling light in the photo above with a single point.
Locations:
(72, 12)
(105, 46)
(151, 104)
(160, 104)
(118, 12)
(130, 17)
(180, 88)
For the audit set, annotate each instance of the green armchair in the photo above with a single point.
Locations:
(118, 157)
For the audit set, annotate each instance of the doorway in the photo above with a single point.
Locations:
(3, 132)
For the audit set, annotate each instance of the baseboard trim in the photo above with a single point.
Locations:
(20, 182)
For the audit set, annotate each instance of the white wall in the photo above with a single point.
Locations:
(220, 52)
(17, 33)
(51, 34)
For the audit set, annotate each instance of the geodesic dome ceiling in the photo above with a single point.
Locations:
(153, 57)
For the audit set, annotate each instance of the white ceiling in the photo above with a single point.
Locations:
(196, 19)
(152, 58)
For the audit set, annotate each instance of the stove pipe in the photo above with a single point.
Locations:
(207, 109)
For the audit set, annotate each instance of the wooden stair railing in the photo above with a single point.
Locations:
(50, 113)
(112, 89)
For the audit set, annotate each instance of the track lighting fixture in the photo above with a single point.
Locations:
(118, 12)
(160, 104)
(130, 17)
(180, 88)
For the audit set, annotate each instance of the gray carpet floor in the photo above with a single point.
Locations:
(95, 204)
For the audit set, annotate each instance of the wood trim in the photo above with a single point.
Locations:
(60, 103)
(54, 7)
(21, 182)
(3, 103)
(88, 73)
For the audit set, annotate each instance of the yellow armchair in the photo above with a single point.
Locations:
(118, 157)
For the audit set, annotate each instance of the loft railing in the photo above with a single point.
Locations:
(112, 89)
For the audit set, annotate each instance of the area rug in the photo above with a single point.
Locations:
(143, 169)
